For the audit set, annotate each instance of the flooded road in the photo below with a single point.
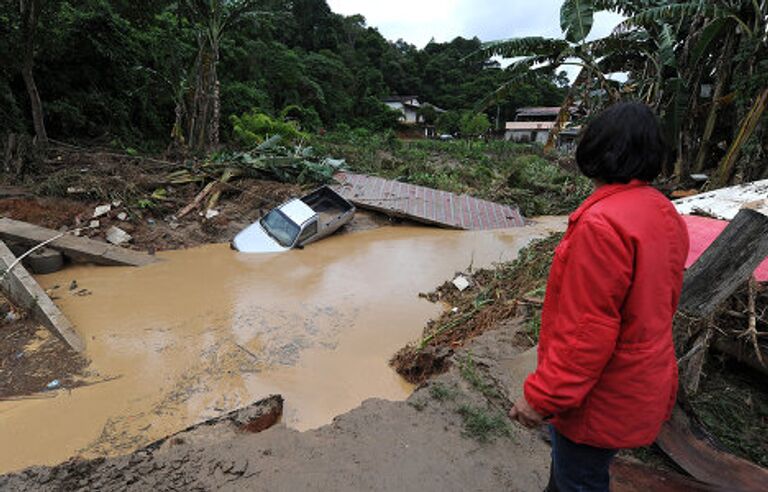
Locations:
(209, 330)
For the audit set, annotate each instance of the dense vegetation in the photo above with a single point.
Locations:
(139, 72)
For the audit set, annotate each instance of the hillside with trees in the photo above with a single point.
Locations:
(150, 72)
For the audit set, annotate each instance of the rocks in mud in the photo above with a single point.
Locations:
(101, 210)
(117, 236)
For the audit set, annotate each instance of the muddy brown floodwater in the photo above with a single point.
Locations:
(209, 330)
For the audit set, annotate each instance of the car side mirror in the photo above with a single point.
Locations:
(299, 246)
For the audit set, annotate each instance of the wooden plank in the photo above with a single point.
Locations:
(77, 248)
(23, 291)
(687, 444)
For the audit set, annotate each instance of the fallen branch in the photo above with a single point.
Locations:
(197, 201)
(751, 331)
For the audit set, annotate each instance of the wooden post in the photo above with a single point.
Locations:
(719, 272)
(726, 264)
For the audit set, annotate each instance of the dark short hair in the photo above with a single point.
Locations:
(622, 143)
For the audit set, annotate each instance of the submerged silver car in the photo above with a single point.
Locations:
(296, 223)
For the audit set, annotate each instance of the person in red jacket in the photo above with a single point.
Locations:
(607, 375)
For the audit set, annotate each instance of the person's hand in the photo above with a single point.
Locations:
(522, 412)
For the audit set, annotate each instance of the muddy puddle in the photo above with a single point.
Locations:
(209, 330)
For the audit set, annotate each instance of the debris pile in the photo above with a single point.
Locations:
(490, 296)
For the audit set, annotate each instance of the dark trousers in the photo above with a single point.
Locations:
(578, 467)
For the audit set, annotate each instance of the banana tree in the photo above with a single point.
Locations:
(543, 54)
(201, 112)
(699, 41)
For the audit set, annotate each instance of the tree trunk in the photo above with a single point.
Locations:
(30, 10)
(722, 71)
(725, 169)
(565, 109)
(215, 88)
(724, 266)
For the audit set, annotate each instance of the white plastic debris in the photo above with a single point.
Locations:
(117, 203)
(699, 177)
(725, 203)
(211, 213)
(102, 210)
(122, 216)
(461, 283)
(55, 384)
(455, 310)
(75, 190)
(117, 236)
(94, 224)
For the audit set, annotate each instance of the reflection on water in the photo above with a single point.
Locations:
(210, 330)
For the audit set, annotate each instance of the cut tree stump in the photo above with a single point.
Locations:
(77, 248)
(23, 291)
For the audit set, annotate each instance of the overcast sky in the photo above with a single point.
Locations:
(418, 21)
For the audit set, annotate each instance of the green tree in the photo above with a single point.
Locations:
(474, 125)
(449, 122)
(428, 114)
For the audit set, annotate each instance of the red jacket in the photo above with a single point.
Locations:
(606, 370)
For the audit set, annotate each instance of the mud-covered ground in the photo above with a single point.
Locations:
(31, 359)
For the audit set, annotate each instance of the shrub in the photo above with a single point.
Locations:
(252, 129)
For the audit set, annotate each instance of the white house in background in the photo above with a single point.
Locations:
(408, 105)
(528, 131)
(532, 124)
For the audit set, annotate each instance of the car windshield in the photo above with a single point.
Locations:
(280, 227)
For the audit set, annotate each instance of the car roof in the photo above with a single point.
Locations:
(298, 211)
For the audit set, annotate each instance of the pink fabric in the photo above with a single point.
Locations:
(702, 231)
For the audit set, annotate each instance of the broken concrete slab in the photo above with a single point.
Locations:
(44, 261)
(76, 248)
(425, 205)
(117, 236)
(23, 291)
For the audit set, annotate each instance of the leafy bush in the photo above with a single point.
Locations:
(252, 129)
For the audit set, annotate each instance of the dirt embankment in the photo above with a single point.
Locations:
(493, 296)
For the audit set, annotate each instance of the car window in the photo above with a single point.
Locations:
(280, 227)
(309, 231)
